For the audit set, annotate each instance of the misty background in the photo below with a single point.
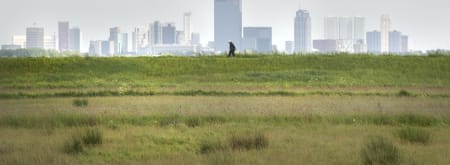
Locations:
(424, 21)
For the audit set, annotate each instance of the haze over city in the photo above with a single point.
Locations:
(420, 20)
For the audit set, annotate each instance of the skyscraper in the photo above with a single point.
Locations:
(116, 36)
(257, 39)
(227, 23)
(63, 36)
(35, 37)
(345, 28)
(169, 33)
(124, 48)
(302, 29)
(155, 35)
(405, 44)
(139, 40)
(107, 48)
(373, 42)
(187, 27)
(95, 48)
(289, 47)
(385, 26)
(74, 39)
(395, 42)
(331, 28)
(195, 39)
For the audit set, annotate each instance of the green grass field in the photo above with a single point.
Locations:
(336, 109)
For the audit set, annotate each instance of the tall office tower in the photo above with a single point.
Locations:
(50, 42)
(95, 48)
(359, 28)
(35, 37)
(302, 28)
(139, 40)
(169, 33)
(227, 24)
(195, 39)
(19, 40)
(395, 42)
(187, 28)
(74, 39)
(385, 27)
(116, 36)
(331, 28)
(289, 47)
(107, 48)
(63, 35)
(179, 39)
(346, 28)
(405, 44)
(373, 40)
(257, 39)
(155, 33)
(124, 48)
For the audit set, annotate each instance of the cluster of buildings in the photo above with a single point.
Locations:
(341, 34)
(156, 38)
(69, 39)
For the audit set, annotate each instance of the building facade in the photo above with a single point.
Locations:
(373, 40)
(35, 37)
(63, 36)
(385, 27)
(257, 39)
(75, 39)
(302, 32)
(227, 24)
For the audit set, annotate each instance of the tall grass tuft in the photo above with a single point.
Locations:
(74, 146)
(211, 146)
(92, 137)
(414, 135)
(169, 120)
(248, 141)
(80, 102)
(404, 93)
(379, 151)
(193, 121)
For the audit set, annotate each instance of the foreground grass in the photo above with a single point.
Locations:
(219, 130)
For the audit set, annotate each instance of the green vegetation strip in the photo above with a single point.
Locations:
(22, 95)
(115, 121)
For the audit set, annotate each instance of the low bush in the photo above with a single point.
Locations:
(73, 146)
(80, 102)
(169, 120)
(414, 135)
(193, 121)
(404, 93)
(380, 151)
(248, 141)
(92, 137)
(210, 146)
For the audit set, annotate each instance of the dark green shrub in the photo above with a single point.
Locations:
(210, 146)
(73, 146)
(193, 121)
(404, 93)
(248, 141)
(414, 135)
(169, 120)
(80, 102)
(92, 137)
(379, 151)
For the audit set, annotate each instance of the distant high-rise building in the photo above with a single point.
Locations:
(124, 43)
(169, 33)
(35, 37)
(405, 44)
(385, 26)
(289, 47)
(107, 48)
(74, 39)
(19, 40)
(10, 47)
(95, 48)
(331, 28)
(395, 42)
(345, 28)
(257, 39)
(116, 36)
(63, 36)
(187, 28)
(359, 28)
(180, 36)
(373, 39)
(50, 42)
(155, 33)
(302, 29)
(195, 39)
(139, 40)
(227, 23)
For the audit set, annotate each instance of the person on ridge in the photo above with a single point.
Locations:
(232, 49)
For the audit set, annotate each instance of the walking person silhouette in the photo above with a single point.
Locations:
(232, 49)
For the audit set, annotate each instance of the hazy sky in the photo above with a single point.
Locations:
(425, 21)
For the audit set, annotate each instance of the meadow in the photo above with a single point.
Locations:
(329, 109)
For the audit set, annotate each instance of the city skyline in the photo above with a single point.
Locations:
(254, 14)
